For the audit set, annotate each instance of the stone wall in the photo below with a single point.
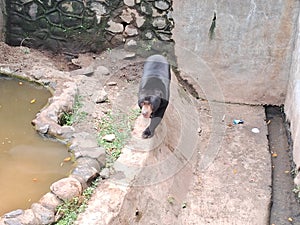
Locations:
(80, 26)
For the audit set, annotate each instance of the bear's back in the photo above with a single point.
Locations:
(157, 65)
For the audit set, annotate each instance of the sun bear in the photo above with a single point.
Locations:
(153, 96)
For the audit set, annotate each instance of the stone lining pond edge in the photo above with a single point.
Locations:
(89, 157)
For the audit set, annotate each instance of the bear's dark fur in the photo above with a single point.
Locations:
(154, 91)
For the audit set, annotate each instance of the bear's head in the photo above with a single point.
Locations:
(149, 105)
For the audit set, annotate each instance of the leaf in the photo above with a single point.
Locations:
(67, 159)
(33, 101)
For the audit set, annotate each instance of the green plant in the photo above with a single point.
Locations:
(120, 125)
(296, 190)
(148, 45)
(109, 50)
(70, 209)
(75, 115)
(25, 49)
(171, 200)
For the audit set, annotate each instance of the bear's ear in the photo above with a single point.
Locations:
(155, 102)
(140, 102)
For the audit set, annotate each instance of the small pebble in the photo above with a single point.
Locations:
(199, 131)
(109, 137)
(129, 56)
(112, 83)
(105, 173)
(255, 130)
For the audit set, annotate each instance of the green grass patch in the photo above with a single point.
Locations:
(74, 116)
(69, 210)
(120, 124)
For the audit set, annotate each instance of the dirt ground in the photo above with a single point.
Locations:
(199, 168)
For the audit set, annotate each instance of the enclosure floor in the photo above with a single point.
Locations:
(227, 181)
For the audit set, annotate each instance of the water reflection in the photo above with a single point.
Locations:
(29, 164)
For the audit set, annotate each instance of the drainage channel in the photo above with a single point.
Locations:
(285, 208)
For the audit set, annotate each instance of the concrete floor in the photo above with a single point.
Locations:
(220, 176)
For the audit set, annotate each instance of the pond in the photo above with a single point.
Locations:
(29, 163)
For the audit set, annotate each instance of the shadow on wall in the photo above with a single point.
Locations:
(2, 19)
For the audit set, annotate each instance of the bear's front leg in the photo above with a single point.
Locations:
(149, 131)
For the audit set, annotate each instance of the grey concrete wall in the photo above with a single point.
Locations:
(292, 103)
(251, 56)
(246, 57)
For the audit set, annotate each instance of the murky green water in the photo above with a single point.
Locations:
(29, 164)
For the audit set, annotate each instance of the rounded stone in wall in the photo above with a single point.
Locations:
(17, 18)
(54, 17)
(139, 20)
(148, 35)
(162, 5)
(164, 36)
(115, 27)
(131, 44)
(117, 40)
(130, 31)
(44, 24)
(159, 22)
(42, 34)
(126, 16)
(146, 8)
(88, 22)
(99, 10)
(156, 12)
(57, 31)
(17, 8)
(74, 7)
(129, 2)
(69, 22)
(32, 10)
